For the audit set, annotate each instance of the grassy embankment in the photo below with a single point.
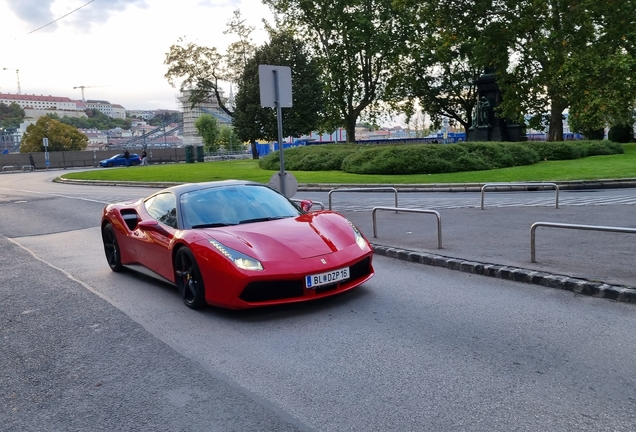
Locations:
(590, 168)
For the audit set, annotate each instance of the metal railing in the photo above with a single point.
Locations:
(28, 168)
(407, 210)
(535, 225)
(378, 189)
(491, 185)
(298, 201)
(8, 168)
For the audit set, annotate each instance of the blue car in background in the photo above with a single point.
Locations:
(120, 160)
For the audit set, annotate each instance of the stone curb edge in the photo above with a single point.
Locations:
(446, 187)
(581, 286)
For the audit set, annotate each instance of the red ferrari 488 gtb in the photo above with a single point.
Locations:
(236, 244)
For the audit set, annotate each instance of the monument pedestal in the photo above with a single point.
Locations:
(487, 126)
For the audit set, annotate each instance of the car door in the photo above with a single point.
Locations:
(153, 241)
(120, 160)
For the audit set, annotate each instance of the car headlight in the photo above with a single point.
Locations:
(360, 241)
(239, 259)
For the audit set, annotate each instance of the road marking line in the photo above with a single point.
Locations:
(67, 274)
(56, 195)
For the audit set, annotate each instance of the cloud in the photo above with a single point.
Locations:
(34, 12)
(219, 3)
(39, 12)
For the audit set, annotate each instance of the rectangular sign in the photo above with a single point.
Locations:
(267, 76)
(313, 281)
(45, 141)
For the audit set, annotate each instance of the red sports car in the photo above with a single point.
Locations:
(236, 244)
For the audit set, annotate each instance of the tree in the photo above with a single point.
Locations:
(621, 133)
(166, 117)
(201, 69)
(251, 121)
(355, 43)
(208, 128)
(61, 137)
(441, 62)
(558, 52)
(94, 119)
(11, 115)
(605, 72)
(228, 139)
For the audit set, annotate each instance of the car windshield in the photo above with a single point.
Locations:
(233, 205)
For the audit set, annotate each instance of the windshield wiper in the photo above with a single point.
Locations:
(263, 219)
(212, 225)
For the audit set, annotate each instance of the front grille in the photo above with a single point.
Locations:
(325, 288)
(283, 289)
(360, 269)
(271, 290)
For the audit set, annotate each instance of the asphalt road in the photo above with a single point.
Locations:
(416, 348)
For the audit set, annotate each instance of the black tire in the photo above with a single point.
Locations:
(188, 279)
(110, 164)
(134, 163)
(111, 248)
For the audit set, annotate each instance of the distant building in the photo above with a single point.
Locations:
(190, 115)
(102, 106)
(142, 114)
(97, 139)
(34, 105)
(39, 102)
(118, 112)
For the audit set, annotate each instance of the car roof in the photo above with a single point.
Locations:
(189, 187)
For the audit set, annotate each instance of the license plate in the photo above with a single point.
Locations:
(327, 278)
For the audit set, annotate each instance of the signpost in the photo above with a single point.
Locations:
(445, 129)
(276, 92)
(45, 141)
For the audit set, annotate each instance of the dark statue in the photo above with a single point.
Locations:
(487, 126)
(483, 108)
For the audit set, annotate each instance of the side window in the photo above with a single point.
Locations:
(163, 208)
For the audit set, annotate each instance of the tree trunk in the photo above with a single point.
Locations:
(350, 127)
(556, 122)
(254, 149)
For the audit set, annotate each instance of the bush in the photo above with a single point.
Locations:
(431, 158)
(621, 133)
(434, 159)
(560, 150)
(596, 134)
(597, 148)
(310, 158)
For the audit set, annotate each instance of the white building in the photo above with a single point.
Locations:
(118, 112)
(97, 139)
(101, 106)
(39, 102)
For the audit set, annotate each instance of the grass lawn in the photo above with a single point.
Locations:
(596, 167)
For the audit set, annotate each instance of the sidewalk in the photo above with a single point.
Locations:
(496, 242)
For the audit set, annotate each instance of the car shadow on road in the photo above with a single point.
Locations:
(320, 306)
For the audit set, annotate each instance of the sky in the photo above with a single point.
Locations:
(115, 48)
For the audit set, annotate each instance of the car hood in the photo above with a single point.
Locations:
(305, 236)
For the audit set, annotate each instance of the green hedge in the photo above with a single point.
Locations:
(432, 158)
(327, 157)
(565, 150)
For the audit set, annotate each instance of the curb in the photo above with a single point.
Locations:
(476, 187)
(624, 294)
(435, 187)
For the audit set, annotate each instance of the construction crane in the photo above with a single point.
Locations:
(17, 73)
(83, 87)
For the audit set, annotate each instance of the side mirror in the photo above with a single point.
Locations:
(306, 205)
(150, 225)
